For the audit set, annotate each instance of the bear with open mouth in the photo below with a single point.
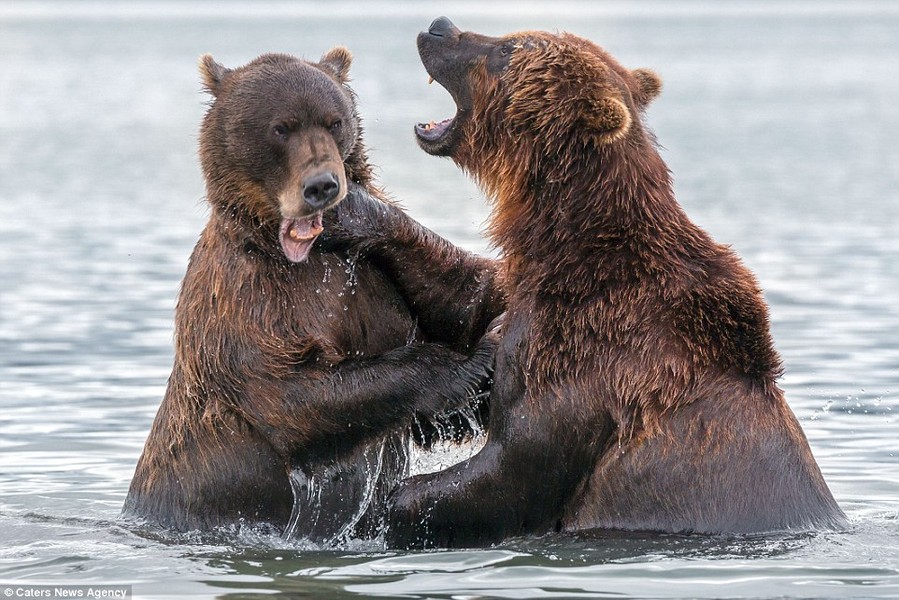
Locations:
(298, 371)
(635, 384)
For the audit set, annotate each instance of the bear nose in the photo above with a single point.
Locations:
(441, 27)
(320, 189)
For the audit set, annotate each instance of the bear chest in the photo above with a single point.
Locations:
(353, 307)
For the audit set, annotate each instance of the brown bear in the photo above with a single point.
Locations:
(635, 385)
(298, 370)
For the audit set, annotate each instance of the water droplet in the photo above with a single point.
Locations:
(351, 271)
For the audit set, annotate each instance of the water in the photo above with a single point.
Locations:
(778, 119)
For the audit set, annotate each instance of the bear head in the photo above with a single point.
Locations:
(525, 100)
(275, 141)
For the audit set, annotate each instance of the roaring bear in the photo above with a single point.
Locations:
(635, 384)
(299, 370)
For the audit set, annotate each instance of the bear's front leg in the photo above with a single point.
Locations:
(453, 293)
(511, 487)
(521, 481)
(461, 506)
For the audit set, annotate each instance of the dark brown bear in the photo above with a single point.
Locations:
(294, 364)
(635, 384)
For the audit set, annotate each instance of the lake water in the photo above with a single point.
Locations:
(778, 119)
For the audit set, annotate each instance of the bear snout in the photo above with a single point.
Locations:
(321, 189)
(442, 27)
(316, 177)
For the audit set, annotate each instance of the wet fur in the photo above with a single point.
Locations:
(635, 387)
(318, 366)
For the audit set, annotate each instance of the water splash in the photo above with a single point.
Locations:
(449, 447)
(373, 471)
(332, 500)
(306, 502)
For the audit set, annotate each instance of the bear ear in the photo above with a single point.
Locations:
(649, 86)
(611, 119)
(212, 73)
(338, 61)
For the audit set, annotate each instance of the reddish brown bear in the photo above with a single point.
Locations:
(291, 361)
(635, 383)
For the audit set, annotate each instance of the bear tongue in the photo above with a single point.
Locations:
(297, 236)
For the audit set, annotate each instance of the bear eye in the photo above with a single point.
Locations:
(505, 49)
(335, 126)
(280, 131)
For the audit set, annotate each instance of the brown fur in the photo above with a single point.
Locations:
(635, 387)
(316, 365)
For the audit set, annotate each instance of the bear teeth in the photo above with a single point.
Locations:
(299, 237)
(430, 80)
